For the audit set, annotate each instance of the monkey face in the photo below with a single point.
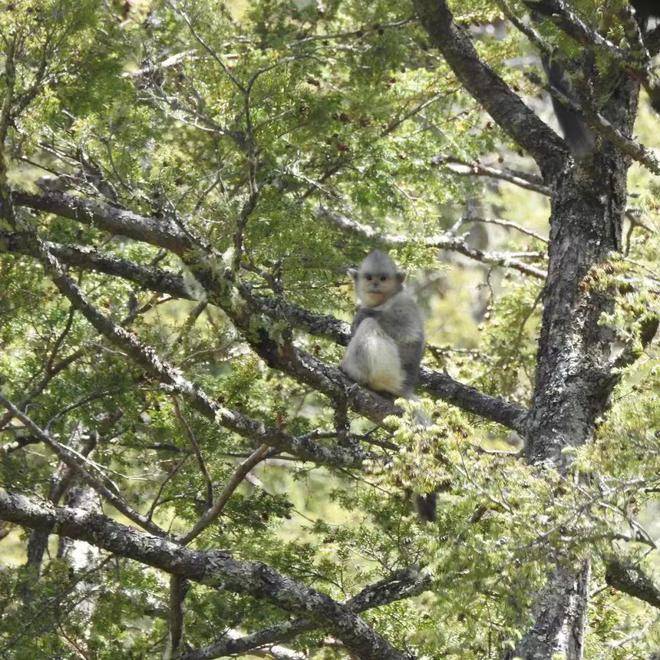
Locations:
(377, 280)
(374, 288)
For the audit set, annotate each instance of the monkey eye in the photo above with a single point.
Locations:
(368, 278)
(383, 278)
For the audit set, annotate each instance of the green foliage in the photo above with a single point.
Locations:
(180, 111)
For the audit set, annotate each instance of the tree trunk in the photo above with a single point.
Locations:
(574, 377)
(560, 616)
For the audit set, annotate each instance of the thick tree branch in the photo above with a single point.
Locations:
(472, 400)
(81, 256)
(243, 312)
(60, 482)
(177, 594)
(633, 581)
(147, 358)
(159, 232)
(79, 465)
(489, 89)
(216, 569)
(570, 23)
(221, 289)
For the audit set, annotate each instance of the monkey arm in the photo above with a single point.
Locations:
(361, 314)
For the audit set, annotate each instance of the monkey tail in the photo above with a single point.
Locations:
(425, 503)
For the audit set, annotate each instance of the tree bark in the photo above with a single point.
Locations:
(61, 481)
(575, 376)
(560, 616)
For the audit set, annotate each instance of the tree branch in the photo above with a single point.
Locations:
(440, 242)
(403, 583)
(604, 128)
(475, 168)
(178, 588)
(296, 363)
(216, 568)
(533, 36)
(234, 482)
(244, 312)
(221, 289)
(148, 359)
(79, 464)
(489, 89)
(472, 400)
(60, 482)
(82, 256)
(570, 23)
(633, 581)
(504, 223)
(159, 232)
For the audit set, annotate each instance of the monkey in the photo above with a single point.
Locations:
(387, 334)
(387, 340)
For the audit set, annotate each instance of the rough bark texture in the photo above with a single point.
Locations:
(82, 557)
(61, 481)
(560, 615)
(574, 371)
(632, 580)
(404, 583)
(574, 377)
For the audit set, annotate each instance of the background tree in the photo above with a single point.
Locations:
(185, 470)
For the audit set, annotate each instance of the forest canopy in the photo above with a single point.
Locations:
(185, 472)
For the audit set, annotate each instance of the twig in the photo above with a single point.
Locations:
(524, 29)
(206, 47)
(196, 449)
(168, 478)
(505, 223)
(234, 482)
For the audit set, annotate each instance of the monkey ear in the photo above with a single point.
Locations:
(400, 276)
(353, 273)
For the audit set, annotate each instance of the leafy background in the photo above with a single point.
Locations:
(348, 106)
